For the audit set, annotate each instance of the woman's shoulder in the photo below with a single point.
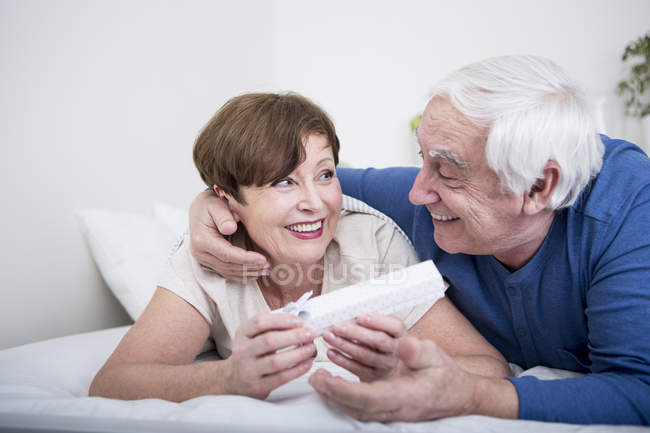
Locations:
(190, 278)
(187, 268)
(364, 235)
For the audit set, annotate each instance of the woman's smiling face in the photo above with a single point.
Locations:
(293, 220)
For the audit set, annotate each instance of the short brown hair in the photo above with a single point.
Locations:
(257, 138)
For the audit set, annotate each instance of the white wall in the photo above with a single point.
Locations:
(371, 63)
(100, 103)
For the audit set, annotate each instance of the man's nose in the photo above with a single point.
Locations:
(423, 190)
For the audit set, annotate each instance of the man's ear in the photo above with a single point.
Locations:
(536, 199)
(230, 200)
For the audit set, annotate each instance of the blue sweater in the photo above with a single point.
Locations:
(582, 303)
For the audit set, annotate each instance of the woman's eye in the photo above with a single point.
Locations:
(282, 182)
(327, 175)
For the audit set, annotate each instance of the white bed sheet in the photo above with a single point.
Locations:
(44, 386)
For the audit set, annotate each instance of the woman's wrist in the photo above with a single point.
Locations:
(223, 377)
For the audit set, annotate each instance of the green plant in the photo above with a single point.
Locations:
(415, 122)
(633, 88)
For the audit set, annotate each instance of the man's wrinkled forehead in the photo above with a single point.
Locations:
(441, 113)
(447, 134)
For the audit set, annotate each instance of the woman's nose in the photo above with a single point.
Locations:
(310, 199)
(423, 190)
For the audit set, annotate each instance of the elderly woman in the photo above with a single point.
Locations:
(272, 158)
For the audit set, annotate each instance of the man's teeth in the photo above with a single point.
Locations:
(306, 227)
(443, 217)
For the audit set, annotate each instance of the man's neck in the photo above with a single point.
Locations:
(533, 232)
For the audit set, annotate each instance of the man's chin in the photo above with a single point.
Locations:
(447, 246)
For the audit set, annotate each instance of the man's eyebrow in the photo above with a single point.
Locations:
(448, 156)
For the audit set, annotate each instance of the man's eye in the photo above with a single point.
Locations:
(420, 154)
(442, 176)
(282, 182)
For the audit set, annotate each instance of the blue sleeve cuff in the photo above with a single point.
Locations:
(606, 398)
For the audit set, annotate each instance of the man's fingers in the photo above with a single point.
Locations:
(226, 226)
(366, 398)
(363, 372)
(227, 252)
(362, 415)
(231, 270)
(418, 354)
(380, 322)
(220, 213)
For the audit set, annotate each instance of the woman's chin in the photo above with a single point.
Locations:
(302, 258)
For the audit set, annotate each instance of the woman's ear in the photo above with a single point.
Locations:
(537, 198)
(232, 203)
(219, 191)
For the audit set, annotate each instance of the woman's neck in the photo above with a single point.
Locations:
(288, 282)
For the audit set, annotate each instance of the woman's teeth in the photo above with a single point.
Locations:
(443, 217)
(306, 227)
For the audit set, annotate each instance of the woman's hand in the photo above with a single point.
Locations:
(210, 219)
(256, 366)
(367, 348)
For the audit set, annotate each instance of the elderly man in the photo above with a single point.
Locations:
(542, 228)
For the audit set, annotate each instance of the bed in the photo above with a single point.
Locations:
(44, 385)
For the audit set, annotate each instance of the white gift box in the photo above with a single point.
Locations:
(387, 294)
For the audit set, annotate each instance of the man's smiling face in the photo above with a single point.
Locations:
(460, 190)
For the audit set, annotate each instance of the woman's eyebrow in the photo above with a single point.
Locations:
(327, 158)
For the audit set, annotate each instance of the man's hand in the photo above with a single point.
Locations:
(210, 219)
(429, 386)
(367, 348)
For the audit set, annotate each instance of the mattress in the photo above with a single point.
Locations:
(44, 387)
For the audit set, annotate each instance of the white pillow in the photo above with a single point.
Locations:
(174, 218)
(130, 250)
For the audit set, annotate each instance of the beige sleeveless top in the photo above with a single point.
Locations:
(363, 247)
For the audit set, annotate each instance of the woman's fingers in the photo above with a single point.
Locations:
(379, 322)
(265, 322)
(378, 340)
(284, 360)
(274, 380)
(273, 341)
(362, 354)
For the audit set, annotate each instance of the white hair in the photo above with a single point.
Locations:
(535, 113)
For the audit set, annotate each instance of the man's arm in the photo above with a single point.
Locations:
(617, 391)
(384, 189)
(210, 221)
